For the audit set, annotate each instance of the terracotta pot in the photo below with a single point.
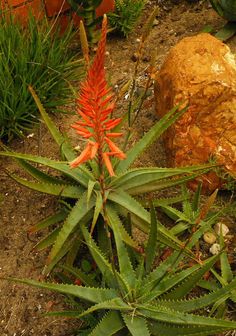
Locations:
(105, 7)
(22, 8)
(52, 8)
(55, 7)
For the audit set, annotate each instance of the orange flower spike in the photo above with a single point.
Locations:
(95, 107)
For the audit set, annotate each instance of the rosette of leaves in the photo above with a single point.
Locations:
(200, 216)
(227, 10)
(81, 192)
(193, 211)
(141, 298)
(96, 177)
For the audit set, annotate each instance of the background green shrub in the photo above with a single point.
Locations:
(35, 55)
(126, 15)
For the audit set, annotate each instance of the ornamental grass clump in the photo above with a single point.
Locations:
(34, 55)
(101, 174)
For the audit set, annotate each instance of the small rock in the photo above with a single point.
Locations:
(146, 58)
(209, 238)
(155, 22)
(221, 227)
(134, 57)
(215, 249)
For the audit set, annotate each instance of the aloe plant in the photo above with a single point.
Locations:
(140, 298)
(227, 10)
(98, 177)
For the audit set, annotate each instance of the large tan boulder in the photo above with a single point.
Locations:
(202, 71)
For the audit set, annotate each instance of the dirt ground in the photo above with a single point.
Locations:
(20, 306)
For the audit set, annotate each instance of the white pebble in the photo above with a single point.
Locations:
(215, 249)
(209, 238)
(221, 227)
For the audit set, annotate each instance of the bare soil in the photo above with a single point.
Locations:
(21, 307)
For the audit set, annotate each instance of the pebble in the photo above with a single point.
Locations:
(221, 227)
(209, 238)
(155, 22)
(215, 249)
(134, 57)
(146, 58)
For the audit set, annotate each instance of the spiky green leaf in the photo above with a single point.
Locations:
(152, 241)
(90, 188)
(102, 263)
(125, 266)
(62, 142)
(174, 317)
(227, 31)
(51, 220)
(226, 271)
(183, 289)
(81, 174)
(169, 282)
(61, 253)
(201, 302)
(78, 214)
(114, 304)
(48, 240)
(149, 137)
(95, 295)
(109, 325)
(97, 210)
(141, 180)
(62, 190)
(164, 329)
(137, 326)
(38, 174)
(141, 218)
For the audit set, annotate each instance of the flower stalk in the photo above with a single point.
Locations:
(96, 104)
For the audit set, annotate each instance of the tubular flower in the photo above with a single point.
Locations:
(95, 107)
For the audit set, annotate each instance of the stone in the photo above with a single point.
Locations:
(200, 71)
(209, 238)
(221, 227)
(215, 249)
